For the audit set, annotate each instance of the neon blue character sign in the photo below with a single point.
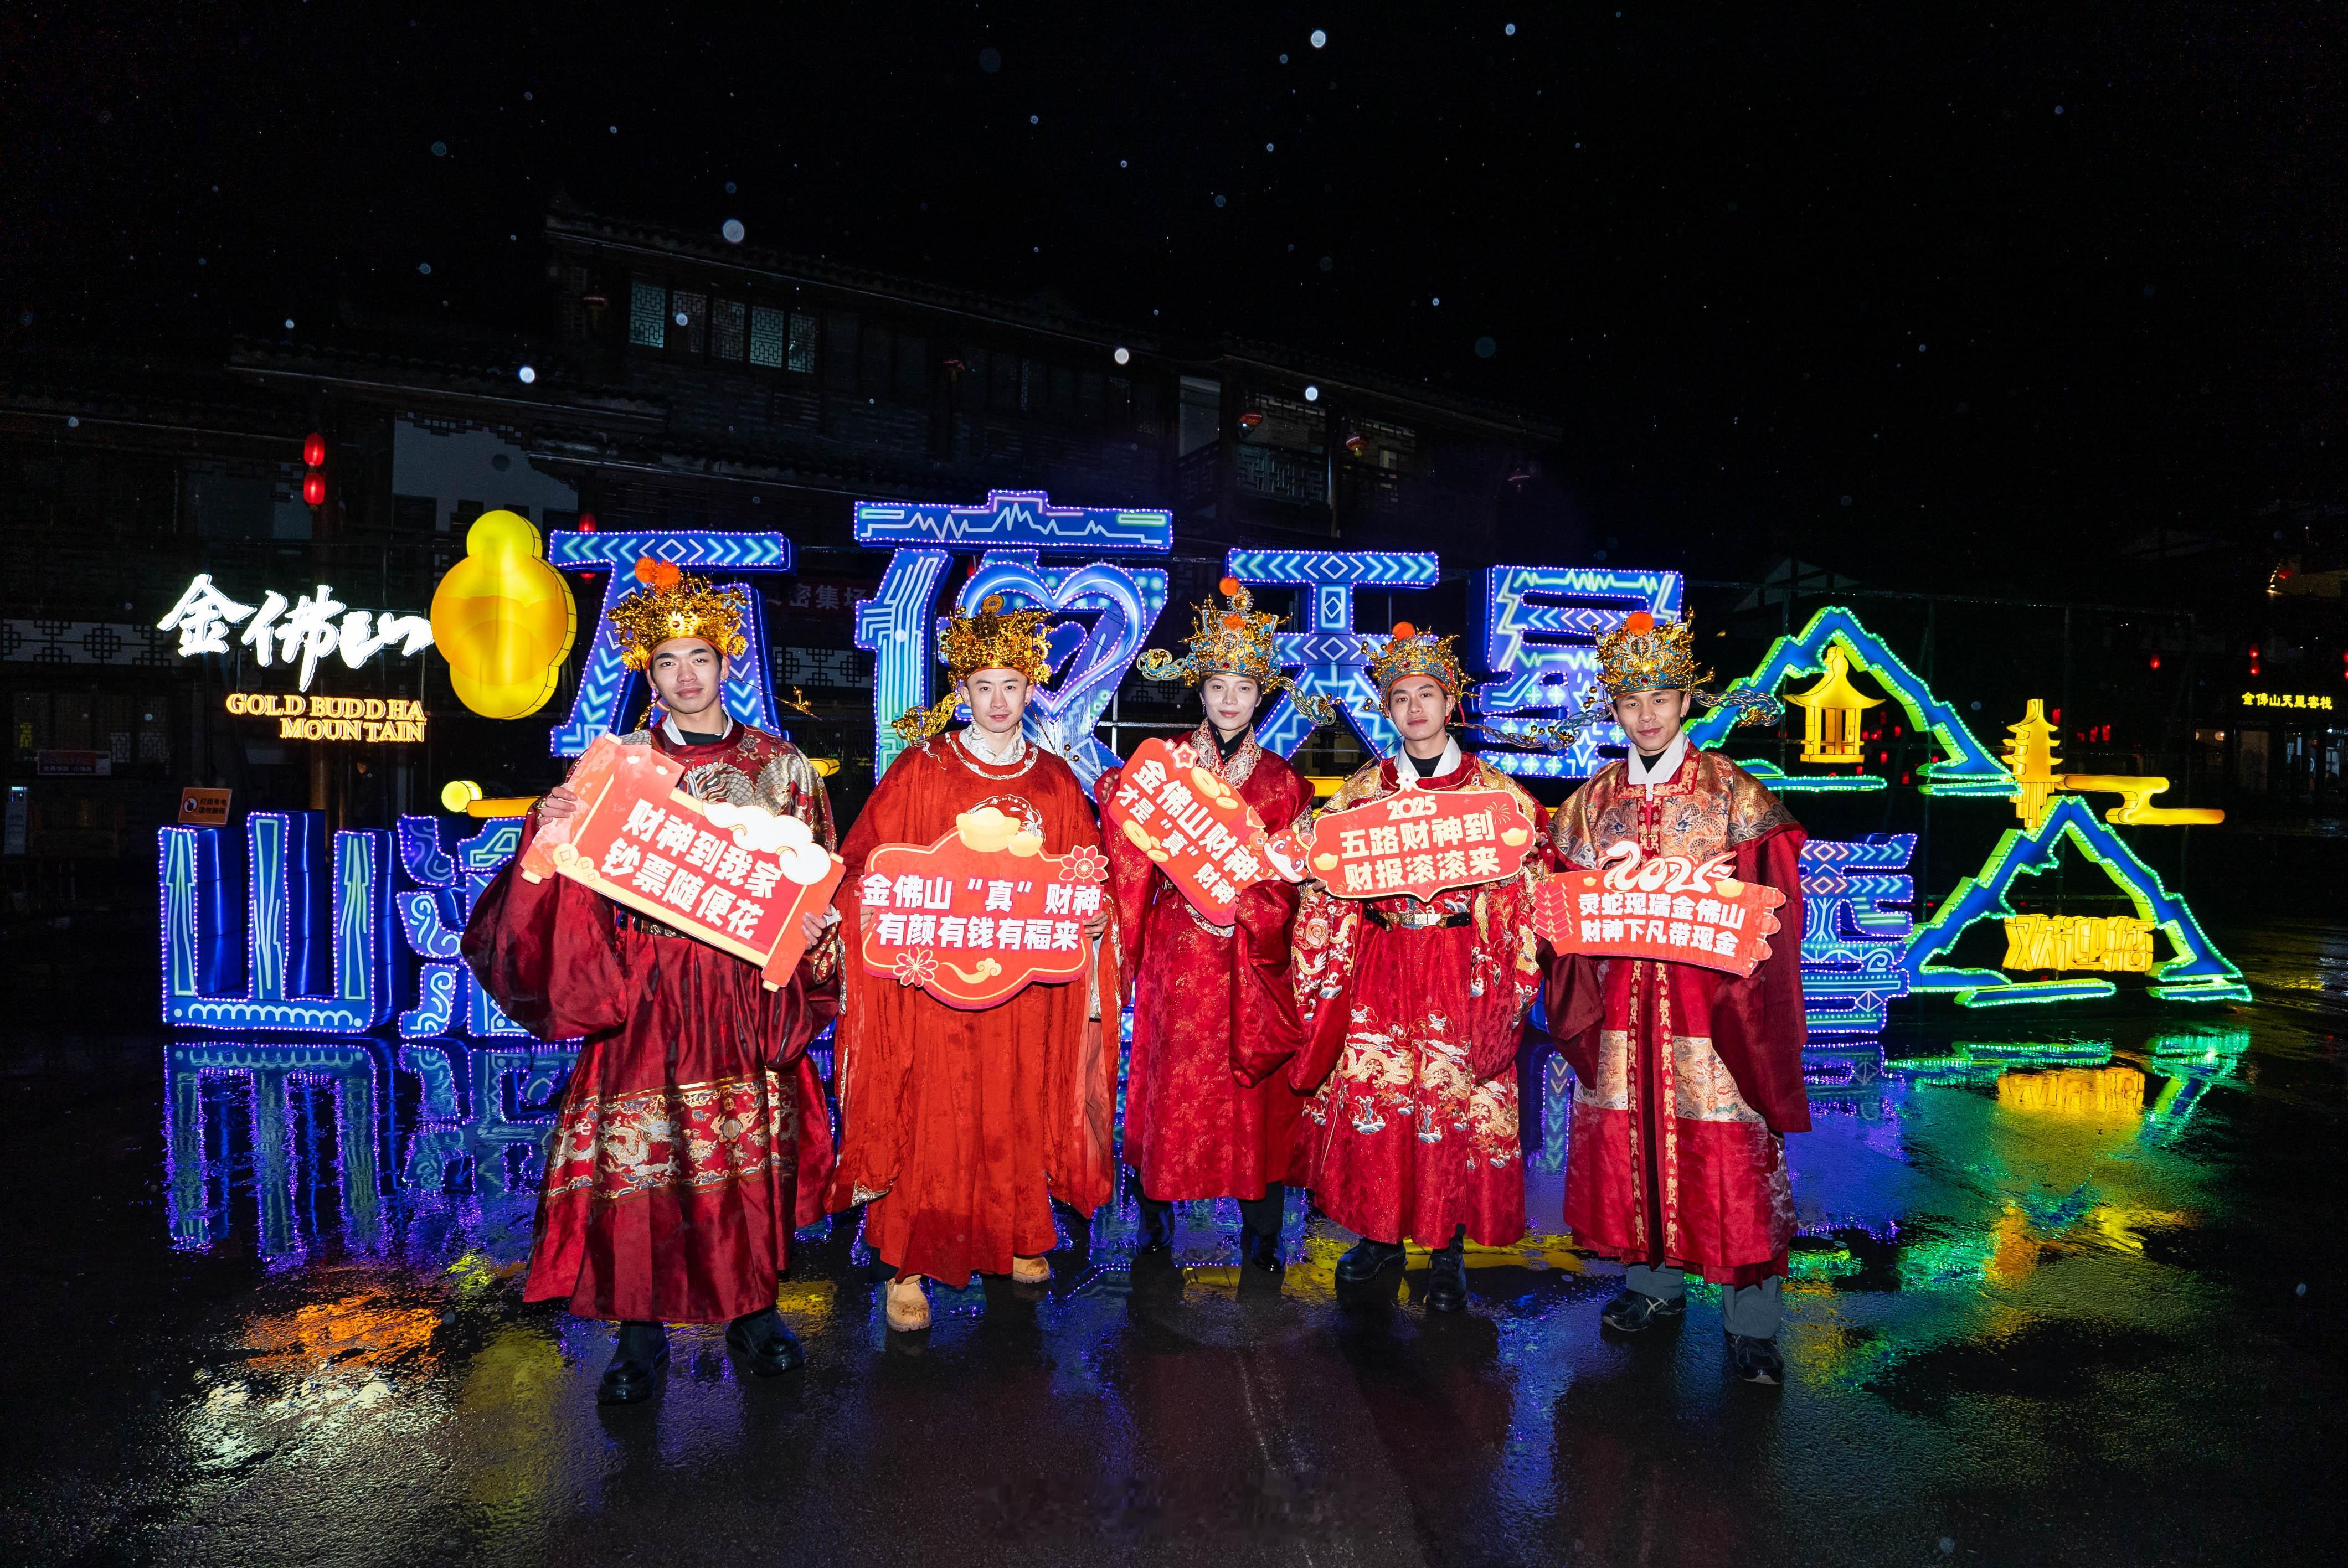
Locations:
(605, 682)
(1325, 651)
(1014, 531)
(317, 952)
(1536, 632)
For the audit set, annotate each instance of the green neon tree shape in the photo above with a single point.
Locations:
(1970, 768)
(2197, 973)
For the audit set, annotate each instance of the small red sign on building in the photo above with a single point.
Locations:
(1420, 842)
(1191, 823)
(1669, 908)
(979, 915)
(737, 877)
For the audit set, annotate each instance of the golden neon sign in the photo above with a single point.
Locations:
(374, 720)
(2114, 943)
(2318, 701)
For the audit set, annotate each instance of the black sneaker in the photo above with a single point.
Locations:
(1263, 1251)
(637, 1363)
(767, 1347)
(1367, 1260)
(1447, 1283)
(1755, 1361)
(1633, 1310)
(1156, 1233)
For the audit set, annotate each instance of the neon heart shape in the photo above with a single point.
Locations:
(1063, 711)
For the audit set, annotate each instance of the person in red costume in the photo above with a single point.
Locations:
(959, 1128)
(1412, 1014)
(1207, 1112)
(693, 1139)
(1687, 1079)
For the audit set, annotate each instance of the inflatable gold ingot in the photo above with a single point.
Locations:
(1728, 886)
(1325, 863)
(1513, 837)
(987, 829)
(1024, 843)
(504, 619)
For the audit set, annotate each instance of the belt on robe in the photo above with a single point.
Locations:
(1380, 918)
(637, 921)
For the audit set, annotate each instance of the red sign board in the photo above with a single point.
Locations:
(1193, 824)
(1669, 908)
(1419, 842)
(979, 914)
(737, 877)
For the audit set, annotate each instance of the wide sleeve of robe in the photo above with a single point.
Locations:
(1757, 1023)
(871, 1065)
(548, 952)
(1080, 1085)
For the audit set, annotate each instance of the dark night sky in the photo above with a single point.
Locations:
(2020, 281)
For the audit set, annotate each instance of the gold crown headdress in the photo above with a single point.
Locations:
(1236, 640)
(1644, 654)
(1410, 651)
(990, 639)
(672, 604)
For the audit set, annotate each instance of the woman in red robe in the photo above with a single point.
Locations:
(959, 1127)
(1687, 1079)
(1412, 1014)
(693, 1139)
(1207, 1113)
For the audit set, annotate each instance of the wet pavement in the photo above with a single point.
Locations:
(2069, 1289)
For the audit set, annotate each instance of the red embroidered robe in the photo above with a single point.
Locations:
(958, 1128)
(1411, 1030)
(1687, 1079)
(1207, 1113)
(693, 1139)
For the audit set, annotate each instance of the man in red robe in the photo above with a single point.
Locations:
(1687, 1079)
(1411, 1013)
(1207, 1113)
(693, 1139)
(959, 1128)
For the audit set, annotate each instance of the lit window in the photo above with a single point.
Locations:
(803, 337)
(647, 314)
(692, 315)
(727, 324)
(770, 337)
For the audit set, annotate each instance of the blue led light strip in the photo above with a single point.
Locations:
(1015, 520)
(1851, 946)
(1519, 613)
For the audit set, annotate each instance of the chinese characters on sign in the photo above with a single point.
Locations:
(1420, 842)
(1669, 908)
(1208, 842)
(2287, 700)
(736, 878)
(307, 629)
(979, 914)
(2114, 943)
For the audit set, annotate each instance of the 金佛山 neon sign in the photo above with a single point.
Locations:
(2309, 700)
(375, 719)
(307, 630)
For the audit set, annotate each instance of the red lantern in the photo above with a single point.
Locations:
(314, 488)
(1250, 419)
(314, 452)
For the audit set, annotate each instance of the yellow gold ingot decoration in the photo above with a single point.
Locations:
(504, 619)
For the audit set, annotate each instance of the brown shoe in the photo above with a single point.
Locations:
(908, 1308)
(1031, 1270)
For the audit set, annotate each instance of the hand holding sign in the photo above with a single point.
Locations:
(1193, 825)
(1669, 908)
(739, 878)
